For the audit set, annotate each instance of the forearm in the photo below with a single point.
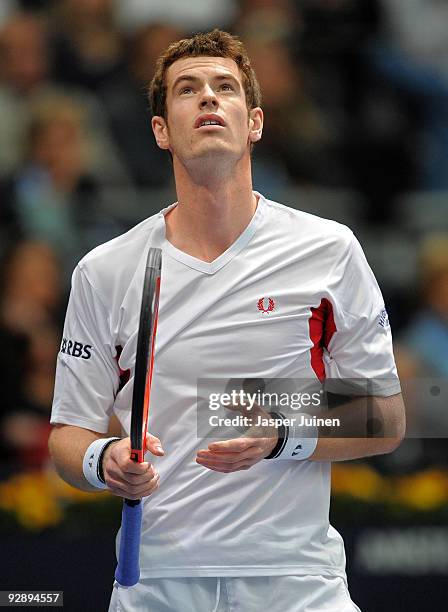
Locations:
(344, 449)
(68, 445)
(384, 415)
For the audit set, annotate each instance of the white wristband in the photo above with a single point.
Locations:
(300, 443)
(91, 461)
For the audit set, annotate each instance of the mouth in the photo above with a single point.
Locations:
(207, 122)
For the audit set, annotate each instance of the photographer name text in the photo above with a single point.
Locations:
(261, 421)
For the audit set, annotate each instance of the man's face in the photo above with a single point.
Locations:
(201, 90)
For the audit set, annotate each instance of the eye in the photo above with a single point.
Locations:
(185, 90)
(227, 87)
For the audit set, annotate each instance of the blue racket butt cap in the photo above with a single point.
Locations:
(128, 569)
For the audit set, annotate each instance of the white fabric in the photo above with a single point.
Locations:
(218, 594)
(90, 463)
(273, 593)
(273, 518)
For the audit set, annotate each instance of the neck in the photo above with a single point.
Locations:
(212, 210)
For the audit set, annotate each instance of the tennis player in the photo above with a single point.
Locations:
(250, 289)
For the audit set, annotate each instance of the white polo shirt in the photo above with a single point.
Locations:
(294, 298)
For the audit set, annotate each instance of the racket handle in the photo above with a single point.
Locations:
(128, 568)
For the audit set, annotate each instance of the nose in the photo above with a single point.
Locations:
(208, 98)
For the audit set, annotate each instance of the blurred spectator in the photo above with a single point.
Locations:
(412, 54)
(31, 288)
(331, 38)
(7, 8)
(421, 354)
(426, 338)
(52, 196)
(30, 302)
(25, 77)
(268, 20)
(297, 135)
(24, 53)
(302, 135)
(126, 100)
(374, 122)
(87, 46)
(418, 28)
(191, 16)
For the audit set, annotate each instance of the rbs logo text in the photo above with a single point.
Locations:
(76, 349)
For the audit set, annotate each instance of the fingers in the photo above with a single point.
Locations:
(223, 466)
(126, 478)
(226, 469)
(146, 472)
(229, 458)
(133, 491)
(230, 461)
(234, 455)
(154, 445)
(238, 445)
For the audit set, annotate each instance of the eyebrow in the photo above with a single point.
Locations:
(193, 79)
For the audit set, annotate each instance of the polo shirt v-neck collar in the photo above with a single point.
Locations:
(218, 263)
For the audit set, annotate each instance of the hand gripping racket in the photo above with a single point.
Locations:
(128, 568)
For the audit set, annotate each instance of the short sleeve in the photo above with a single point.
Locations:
(87, 374)
(361, 342)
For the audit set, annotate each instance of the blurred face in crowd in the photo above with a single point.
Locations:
(44, 348)
(201, 90)
(24, 53)
(32, 287)
(148, 44)
(434, 272)
(437, 293)
(93, 9)
(34, 275)
(58, 146)
(277, 75)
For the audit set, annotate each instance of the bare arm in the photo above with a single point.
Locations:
(389, 412)
(123, 477)
(68, 445)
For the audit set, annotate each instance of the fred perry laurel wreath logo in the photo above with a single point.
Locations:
(266, 305)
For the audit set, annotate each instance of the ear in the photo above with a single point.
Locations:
(160, 129)
(255, 124)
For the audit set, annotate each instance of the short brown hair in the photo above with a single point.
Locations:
(212, 44)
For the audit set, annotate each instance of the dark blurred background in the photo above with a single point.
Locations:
(355, 94)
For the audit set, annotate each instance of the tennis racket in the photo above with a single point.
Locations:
(128, 568)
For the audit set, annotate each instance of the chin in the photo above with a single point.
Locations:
(215, 150)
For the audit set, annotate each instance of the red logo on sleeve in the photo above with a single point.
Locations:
(266, 304)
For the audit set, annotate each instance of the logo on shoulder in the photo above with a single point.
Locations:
(76, 349)
(384, 319)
